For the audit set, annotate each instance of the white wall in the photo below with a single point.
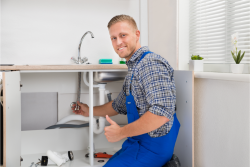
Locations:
(49, 31)
(162, 29)
(221, 123)
(183, 41)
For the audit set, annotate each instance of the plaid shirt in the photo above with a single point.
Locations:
(153, 88)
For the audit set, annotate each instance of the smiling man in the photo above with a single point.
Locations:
(148, 98)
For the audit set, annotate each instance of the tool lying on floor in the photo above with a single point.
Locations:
(60, 159)
(100, 155)
(31, 164)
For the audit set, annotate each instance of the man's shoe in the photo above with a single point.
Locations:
(174, 162)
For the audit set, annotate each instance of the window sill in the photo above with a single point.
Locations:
(223, 76)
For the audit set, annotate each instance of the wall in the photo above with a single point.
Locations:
(49, 31)
(162, 29)
(221, 123)
(183, 37)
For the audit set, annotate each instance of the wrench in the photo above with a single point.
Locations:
(31, 164)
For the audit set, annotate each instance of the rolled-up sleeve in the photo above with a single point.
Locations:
(119, 103)
(156, 78)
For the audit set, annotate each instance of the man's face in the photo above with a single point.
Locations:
(124, 39)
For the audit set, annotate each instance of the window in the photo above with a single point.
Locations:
(211, 25)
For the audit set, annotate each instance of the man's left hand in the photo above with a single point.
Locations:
(113, 132)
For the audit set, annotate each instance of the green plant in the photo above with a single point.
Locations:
(196, 57)
(237, 57)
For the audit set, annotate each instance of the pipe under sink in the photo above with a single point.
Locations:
(101, 78)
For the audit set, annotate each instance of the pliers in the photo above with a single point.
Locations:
(100, 155)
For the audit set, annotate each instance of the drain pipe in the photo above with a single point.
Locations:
(96, 129)
(101, 102)
(101, 87)
(102, 93)
(98, 125)
(86, 82)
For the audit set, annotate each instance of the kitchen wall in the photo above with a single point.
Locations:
(49, 31)
(162, 30)
(183, 37)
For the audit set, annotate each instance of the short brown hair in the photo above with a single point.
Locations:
(120, 18)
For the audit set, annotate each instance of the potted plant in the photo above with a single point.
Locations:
(237, 56)
(196, 63)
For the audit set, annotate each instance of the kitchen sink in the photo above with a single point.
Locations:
(109, 76)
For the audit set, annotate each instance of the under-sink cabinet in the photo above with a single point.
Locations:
(31, 145)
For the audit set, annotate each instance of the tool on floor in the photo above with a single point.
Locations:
(100, 155)
(44, 161)
(71, 155)
(60, 159)
(37, 164)
(31, 164)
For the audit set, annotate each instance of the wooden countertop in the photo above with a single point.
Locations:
(66, 67)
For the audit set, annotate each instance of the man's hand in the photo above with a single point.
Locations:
(113, 132)
(83, 110)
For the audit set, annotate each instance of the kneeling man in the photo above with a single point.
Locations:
(148, 97)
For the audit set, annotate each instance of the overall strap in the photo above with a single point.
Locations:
(144, 54)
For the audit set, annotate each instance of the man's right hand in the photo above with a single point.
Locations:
(83, 109)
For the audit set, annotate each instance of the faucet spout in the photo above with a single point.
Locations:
(79, 48)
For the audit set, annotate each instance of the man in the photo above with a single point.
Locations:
(148, 98)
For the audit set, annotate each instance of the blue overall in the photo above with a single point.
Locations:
(143, 150)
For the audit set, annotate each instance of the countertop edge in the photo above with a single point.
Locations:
(223, 76)
(64, 67)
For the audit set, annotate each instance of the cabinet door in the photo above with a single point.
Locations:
(11, 119)
(184, 147)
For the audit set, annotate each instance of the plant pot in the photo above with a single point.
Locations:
(196, 65)
(237, 68)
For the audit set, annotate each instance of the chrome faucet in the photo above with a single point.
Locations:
(84, 59)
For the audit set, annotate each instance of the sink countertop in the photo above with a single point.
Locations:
(65, 67)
